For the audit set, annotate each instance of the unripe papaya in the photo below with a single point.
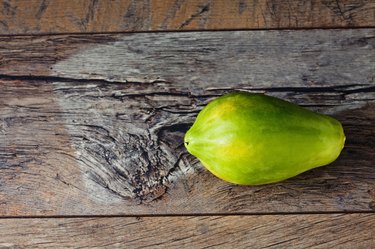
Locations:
(251, 139)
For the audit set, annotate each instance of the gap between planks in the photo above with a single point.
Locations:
(184, 31)
(185, 215)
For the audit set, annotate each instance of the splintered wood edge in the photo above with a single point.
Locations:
(271, 231)
(59, 16)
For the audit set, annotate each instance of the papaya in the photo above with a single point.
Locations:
(252, 139)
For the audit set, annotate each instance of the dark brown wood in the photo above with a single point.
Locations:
(60, 16)
(263, 231)
(97, 127)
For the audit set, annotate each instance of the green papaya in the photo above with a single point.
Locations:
(251, 139)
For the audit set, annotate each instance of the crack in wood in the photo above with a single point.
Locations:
(203, 10)
(42, 9)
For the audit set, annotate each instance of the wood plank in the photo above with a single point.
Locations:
(264, 231)
(199, 60)
(93, 130)
(59, 16)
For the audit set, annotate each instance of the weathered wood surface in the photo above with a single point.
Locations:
(194, 61)
(98, 126)
(60, 16)
(263, 231)
(269, 231)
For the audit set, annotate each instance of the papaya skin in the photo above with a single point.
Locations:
(252, 139)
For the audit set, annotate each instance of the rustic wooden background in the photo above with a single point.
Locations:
(95, 103)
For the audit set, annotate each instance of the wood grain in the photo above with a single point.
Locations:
(263, 231)
(98, 126)
(196, 61)
(59, 16)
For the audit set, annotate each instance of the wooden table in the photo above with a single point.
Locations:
(94, 105)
